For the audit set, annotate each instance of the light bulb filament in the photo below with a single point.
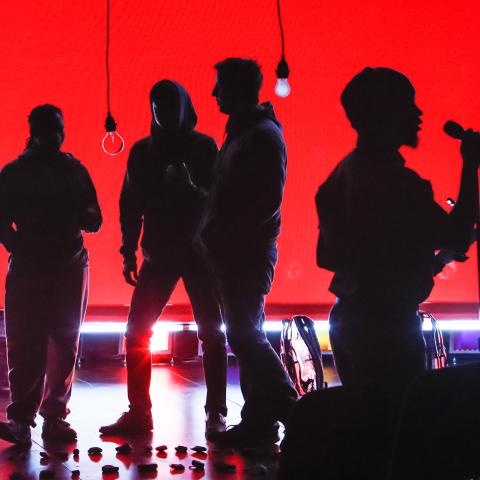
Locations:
(115, 145)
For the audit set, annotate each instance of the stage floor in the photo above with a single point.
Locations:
(99, 396)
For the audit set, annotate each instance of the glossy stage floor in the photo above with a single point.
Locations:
(178, 394)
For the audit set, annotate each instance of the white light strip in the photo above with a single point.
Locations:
(120, 327)
(269, 326)
(103, 327)
(455, 325)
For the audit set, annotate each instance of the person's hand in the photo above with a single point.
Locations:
(130, 270)
(179, 174)
(91, 219)
(470, 148)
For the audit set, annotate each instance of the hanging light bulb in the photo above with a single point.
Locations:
(282, 88)
(112, 142)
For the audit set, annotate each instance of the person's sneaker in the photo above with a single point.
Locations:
(16, 432)
(129, 423)
(58, 430)
(242, 436)
(214, 423)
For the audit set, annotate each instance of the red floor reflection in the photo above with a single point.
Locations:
(178, 395)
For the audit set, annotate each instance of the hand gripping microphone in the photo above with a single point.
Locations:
(454, 130)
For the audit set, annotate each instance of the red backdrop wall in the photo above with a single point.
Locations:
(53, 51)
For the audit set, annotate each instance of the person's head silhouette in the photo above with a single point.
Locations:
(46, 129)
(237, 85)
(380, 104)
(172, 109)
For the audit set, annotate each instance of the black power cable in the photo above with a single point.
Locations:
(280, 24)
(110, 124)
(107, 52)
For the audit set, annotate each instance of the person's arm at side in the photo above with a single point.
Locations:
(131, 219)
(90, 215)
(7, 232)
(203, 178)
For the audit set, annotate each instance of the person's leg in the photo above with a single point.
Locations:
(67, 310)
(244, 281)
(377, 342)
(395, 346)
(154, 287)
(340, 342)
(206, 310)
(27, 339)
(26, 319)
(244, 378)
(270, 394)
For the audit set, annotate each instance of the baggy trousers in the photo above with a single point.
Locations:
(154, 287)
(43, 314)
(266, 387)
(377, 341)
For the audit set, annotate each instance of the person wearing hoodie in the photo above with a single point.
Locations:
(168, 176)
(49, 196)
(239, 236)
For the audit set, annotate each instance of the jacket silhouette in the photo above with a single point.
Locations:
(170, 211)
(243, 214)
(380, 227)
(51, 200)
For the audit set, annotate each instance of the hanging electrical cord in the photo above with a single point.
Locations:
(282, 88)
(112, 142)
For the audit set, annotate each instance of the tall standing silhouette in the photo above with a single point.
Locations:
(379, 230)
(239, 234)
(169, 174)
(49, 197)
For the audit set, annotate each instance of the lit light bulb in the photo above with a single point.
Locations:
(282, 88)
(112, 142)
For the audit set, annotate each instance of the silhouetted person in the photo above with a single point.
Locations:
(379, 229)
(239, 234)
(49, 197)
(165, 186)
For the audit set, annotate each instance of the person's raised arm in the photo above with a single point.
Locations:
(464, 214)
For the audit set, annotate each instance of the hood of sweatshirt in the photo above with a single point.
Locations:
(172, 106)
(263, 111)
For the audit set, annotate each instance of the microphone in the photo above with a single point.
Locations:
(454, 130)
